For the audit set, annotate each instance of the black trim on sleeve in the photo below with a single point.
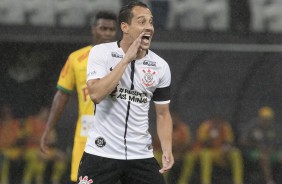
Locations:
(162, 94)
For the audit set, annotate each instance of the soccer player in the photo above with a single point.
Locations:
(261, 142)
(215, 146)
(122, 78)
(73, 75)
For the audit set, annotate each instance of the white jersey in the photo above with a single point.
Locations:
(121, 124)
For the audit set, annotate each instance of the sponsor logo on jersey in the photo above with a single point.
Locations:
(149, 63)
(100, 142)
(85, 180)
(116, 55)
(131, 95)
(148, 78)
(149, 146)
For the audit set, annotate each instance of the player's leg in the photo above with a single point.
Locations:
(206, 161)
(30, 169)
(4, 169)
(187, 168)
(40, 171)
(237, 165)
(59, 167)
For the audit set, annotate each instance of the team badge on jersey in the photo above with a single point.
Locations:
(148, 78)
(100, 142)
(149, 146)
(85, 180)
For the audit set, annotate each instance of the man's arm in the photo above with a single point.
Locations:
(98, 89)
(58, 105)
(164, 130)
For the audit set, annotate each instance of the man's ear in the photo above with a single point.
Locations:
(124, 27)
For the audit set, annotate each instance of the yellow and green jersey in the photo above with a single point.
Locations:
(73, 75)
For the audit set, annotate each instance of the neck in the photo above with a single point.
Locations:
(141, 54)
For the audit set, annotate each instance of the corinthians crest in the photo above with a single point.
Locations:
(85, 180)
(148, 78)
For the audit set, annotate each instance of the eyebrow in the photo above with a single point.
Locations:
(142, 16)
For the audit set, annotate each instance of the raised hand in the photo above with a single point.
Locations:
(134, 49)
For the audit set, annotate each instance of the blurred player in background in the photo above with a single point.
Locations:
(215, 144)
(73, 75)
(261, 141)
(35, 161)
(11, 146)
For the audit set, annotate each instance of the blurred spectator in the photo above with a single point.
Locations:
(12, 12)
(40, 13)
(34, 127)
(36, 161)
(266, 15)
(215, 145)
(261, 142)
(199, 15)
(11, 146)
(186, 14)
(181, 138)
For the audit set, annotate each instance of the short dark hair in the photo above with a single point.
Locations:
(125, 13)
(104, 14)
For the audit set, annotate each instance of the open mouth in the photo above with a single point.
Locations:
(145, 39)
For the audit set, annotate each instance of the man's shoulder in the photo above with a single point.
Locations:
(155, 57)
(81, 51)
(106, 46)
(103, 49)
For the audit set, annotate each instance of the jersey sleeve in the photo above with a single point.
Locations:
(97, 63)
(162, 93)
(66, 80)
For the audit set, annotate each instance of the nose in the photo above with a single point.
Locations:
(149, 27)
(108, 32)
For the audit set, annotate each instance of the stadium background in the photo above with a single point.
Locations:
(227, 61)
